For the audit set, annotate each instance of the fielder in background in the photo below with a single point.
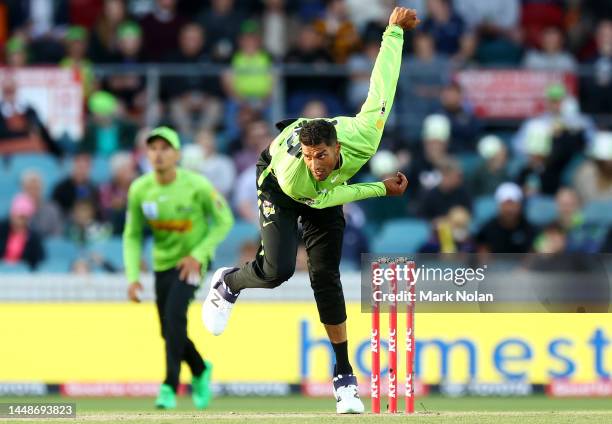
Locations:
(302, 175)
(188, 219)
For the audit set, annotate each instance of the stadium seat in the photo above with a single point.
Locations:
(61, 250)
(48, 167)
(100, 169)
(18, 268)
(401, 236)
(485, 208)
(111, 250)
(541, 210)
(54, 266)
(598, 212)
(229, 250)
(469, 163)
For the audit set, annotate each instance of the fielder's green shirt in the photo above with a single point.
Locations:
(187, 217)
(359, 138)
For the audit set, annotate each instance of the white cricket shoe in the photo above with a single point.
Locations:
(346, 393)
(219, 302)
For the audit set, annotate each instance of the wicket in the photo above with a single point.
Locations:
(375, 382)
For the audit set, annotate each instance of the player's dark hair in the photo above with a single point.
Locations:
(318, 131)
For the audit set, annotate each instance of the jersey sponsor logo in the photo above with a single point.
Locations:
(174, 225)
(149, 209)
(267, 208)
(184, 209)
(383, 107)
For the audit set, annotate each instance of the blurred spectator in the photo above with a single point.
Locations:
(257, 138)
(103, 43)
(107, 132)
(360, 67)
(339, 32)
(244, 199)
(309, 50)
(375, 11)
(276, 25)
(47, 219)
(597, 89)
(450, 192)
(194, 102)
(16, 52)
(582, 237)
(493, 169)
(76, 57)
(250, 78)
(222, 23)
(536, 177)
(314, 109)
(140, 151)
(593, 180)
(234, 135)
(217, 167)
(18, 243)
(537, 16)
(552, 56)
(465, 126)
(36, 18)
(355, 241)
(113, 194)
(562, 116)
(445, 26)
(496, 22)
(76, 186)
(83, 228)
(20, 127)
(128, 86)
(552, 240)
(160, 30)
(384, 164)
(423, 169)
(419, 87)
(509, 231)
(451, 233)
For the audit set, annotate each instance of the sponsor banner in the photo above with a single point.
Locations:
(23, 389)
(285, 342)
(487, 389)
(510, 94)
(320, 389)
(561, 388)
(150, 389)
(56, 94)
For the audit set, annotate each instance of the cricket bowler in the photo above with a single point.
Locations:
(302, 175)
(188, 219)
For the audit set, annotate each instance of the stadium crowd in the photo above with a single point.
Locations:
(543, 184)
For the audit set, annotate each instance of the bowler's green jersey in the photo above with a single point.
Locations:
(188, 218)
(359, 137)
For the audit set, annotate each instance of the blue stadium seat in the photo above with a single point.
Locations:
(229, 250)
(541, 210)
(54, 266)
(61, 250)
(111, 250)
(598, 212)
(18, 268)
(48, 167)
(401, 236)
(100, 169)
(469, 163)
(485, 208)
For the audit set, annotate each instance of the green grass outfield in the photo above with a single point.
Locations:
(296, 409)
